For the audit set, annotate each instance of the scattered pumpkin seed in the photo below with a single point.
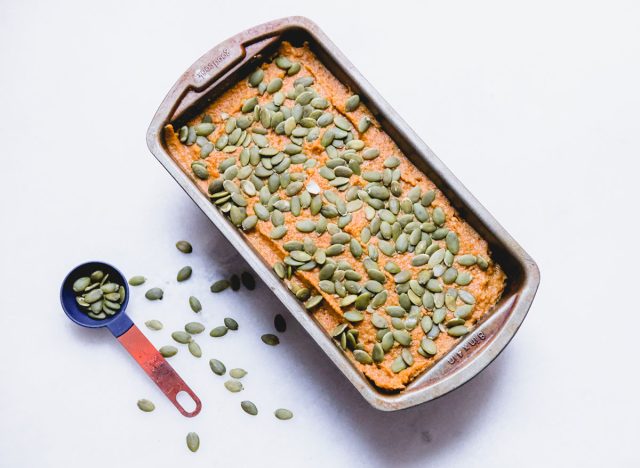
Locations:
(237, 373)
(194, 328)
(168, 351)
(153, 324)
(234, 386)
(220, 286)
(279, 323)
(194, 349)
(249, 407)
(193, 441)
(137, 280)
(283, 414)
(184, 273)
(154, 294)
(248, 280)
(195, 304)
(181, 337)
(230, 323)
(235, 282)
(270, 339)
(217, 367)
(217, 332)
(146, 405)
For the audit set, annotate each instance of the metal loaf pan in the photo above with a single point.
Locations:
(231, 61)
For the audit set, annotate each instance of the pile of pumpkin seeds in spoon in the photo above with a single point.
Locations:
(264, 185)
(98, 297)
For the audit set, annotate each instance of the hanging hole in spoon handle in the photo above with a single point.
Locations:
(156, 367)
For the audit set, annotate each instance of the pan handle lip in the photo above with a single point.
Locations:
(214, 64)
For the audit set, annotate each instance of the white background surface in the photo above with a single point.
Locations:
(534, 105)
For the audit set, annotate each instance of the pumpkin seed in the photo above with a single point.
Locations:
(402, 336)
(306, 226)
(428, 346)
(353, 316)
(183, 134)
(452, 242)
(482, 262)
(339, 329)
(181, 337)
(457, 331)
(407, 357)
(108, 288)
(364, 124)
(146, 405)
(270, 339)
(283, 414)
(439, 233)
(154, 294)
(402, 277)
(256, 78)
(335, 249)
(193, 441)
(98, 276)
(466, 260)
(195, 304)
(153, 324)
(387, 341)
(294, 68)
(378, 321)
(230, 323)
(219, 286)
(184, 274)
(250, 104)
(438, 216)
(378, 353)
(194, 328)
(219, 331)
(362, 357)
(279, 323)
(237, 373)
(194, 349)
(466, 297)
(200, 171)
(217, 367)
(398, 365)
(81, 284)
(273, 86)
(352, 103)
(313, 302)
(464, 278)
(137, 280)
(168, 351)
(362, 302)
(450, 275)
(278, 232)
(464, 311)
(249, 407)
(426, 323)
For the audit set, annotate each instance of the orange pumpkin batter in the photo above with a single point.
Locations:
(486, 283)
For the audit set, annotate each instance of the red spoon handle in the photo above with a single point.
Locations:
(157, 368)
